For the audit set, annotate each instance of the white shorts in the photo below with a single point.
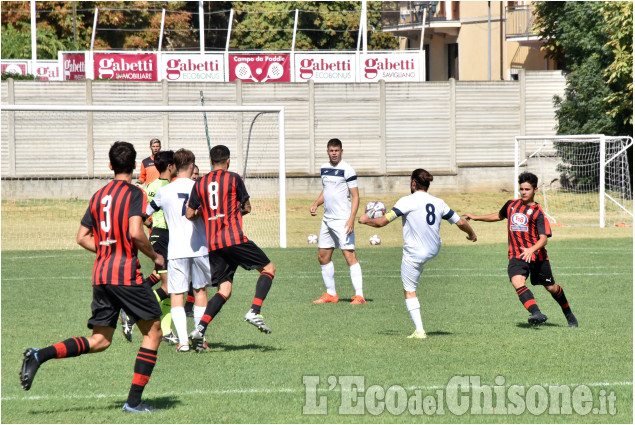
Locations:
(411, 272)
(180, 270)
(333, 235)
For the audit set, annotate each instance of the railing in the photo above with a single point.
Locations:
(520, 20)
(414, 15)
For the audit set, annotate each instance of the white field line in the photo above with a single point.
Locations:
(32, 257)
(427, 276)
(280, 391)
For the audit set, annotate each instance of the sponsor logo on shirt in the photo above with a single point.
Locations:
(518, 222)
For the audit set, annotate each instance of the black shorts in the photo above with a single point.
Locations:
(138, 301)
(540, 271)
(225, 261)
(159, 238)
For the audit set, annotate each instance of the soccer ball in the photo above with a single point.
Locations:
(375, 209)
(312, 238)
(375, 240)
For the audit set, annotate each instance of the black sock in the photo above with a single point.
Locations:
(262, 289)
(189, 301)
(71, 347)
(527, 299)
(146, 359)
(562, 300)
(213, 307)
(161, 293)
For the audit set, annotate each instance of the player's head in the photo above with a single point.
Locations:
(420, 180)
(155, 145)
(334, 151)
(219, 155)
(195, 172)
(184, 160)
(527, 186)
(122, 157)
(163, 159)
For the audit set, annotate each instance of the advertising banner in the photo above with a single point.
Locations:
(14, 67)
(126, 66)
(193, 67)
(47, 70)
(273, 68)
(73, 65)
(325, 68)
(391, 67)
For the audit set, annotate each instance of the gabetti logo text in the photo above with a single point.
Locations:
(309, 67)
(127, 67)
(177, 69)
(388, 68)
(45, 73)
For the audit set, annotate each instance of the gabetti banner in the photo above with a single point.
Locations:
(126, 66)
(260, 68)
(191, 67)
(47, 70)
(73, 65)
(325, 68)
(391, 67)
(14, 67)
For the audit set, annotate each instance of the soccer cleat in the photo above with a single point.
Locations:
(257, 321)
(326, 298)
(171, 338)
(197, 341)
(418, 335)
(571, 320)
(126, 325)
(30, 365)
(182, 348)
(537, 319)
(358, 299)
(140, 408)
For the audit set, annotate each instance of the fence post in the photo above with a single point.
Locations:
(311, 126)
(90, 146)
(165, 97)
(522, 80)
(602, 178)
(452, 89)
(11, 119)
(382, 127)
(240, 164)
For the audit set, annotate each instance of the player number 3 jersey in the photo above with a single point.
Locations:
(336, 181)
(525, 224)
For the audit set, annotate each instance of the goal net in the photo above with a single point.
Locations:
(55, 157)
(582, 180)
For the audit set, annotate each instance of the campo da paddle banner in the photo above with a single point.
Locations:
(274, 68)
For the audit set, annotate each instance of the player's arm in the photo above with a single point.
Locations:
(193, 210)
(86, 239)
(350, 223)
(316, 204)
(142, 175)
(489, 217)
(465, 226)
(375, 222)
(245, 208)
(139, 238)
(529, 252)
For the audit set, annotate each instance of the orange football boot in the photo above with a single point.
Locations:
(326, 298)
(358, 299)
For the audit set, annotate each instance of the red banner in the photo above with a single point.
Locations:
(260, 68)
(74, 65)
(131, 67)
(15, 67)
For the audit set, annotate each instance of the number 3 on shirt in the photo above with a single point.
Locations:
(105, 223)
(212, 188)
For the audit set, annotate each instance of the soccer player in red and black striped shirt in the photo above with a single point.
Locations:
(113, 228)
(221, 199)
(528, 230)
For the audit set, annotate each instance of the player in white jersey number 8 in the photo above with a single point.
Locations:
(421, 214)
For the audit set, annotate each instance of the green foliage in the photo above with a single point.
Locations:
(7, 75)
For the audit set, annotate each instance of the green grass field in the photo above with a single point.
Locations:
(475, 323)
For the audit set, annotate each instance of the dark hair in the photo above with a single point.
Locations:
(155, 140)
(219, 154)
(334, 143)
(528, 177)
(122, 157)
(421, 178)
(196, 166)
(163, 159)
(183, 158)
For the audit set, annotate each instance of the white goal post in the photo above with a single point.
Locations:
(76, 139)
(583, 179)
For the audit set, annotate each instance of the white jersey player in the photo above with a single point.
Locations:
(187, 248)
(421, 214)
(340, 197)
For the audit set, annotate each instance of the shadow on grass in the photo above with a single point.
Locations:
(163, 403)
(230, 347)
(398, 333)
(157, 402)
(439, 333)
(348, 300)
(544, 325)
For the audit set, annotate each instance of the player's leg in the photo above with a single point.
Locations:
(518, 271)
(189, 302)
(127, 322)
(160, 238)
(410, 274)
(543, 276)
(201, 278)
(178, 283)
(356, 274)
(326, 245)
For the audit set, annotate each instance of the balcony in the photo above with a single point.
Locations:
(443, 16)
(520, 21)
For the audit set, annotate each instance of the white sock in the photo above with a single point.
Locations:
(198, 313)
(328, 274)
(180, 323)
(412, 304)
(356, 278)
